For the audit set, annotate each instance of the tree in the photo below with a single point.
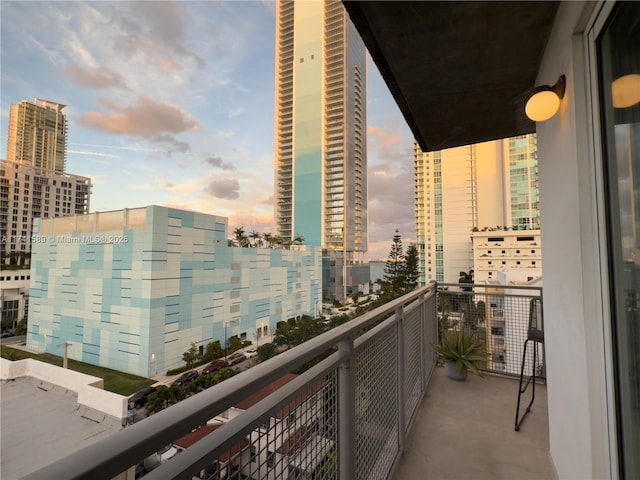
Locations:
(6, 323)
(233, 344)
(268, 239)
(213, 351)
(278, 241)
(21, 328)
(266, 351)
(466, 277)
(295, 332)
(298, 240)
(191, 356)
(256, 237)
(240, 237)
(392, 283)
(411, 271)
(163, 397)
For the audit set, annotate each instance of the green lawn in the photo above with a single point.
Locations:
(114, 381)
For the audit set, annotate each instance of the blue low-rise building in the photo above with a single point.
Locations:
(132, 289)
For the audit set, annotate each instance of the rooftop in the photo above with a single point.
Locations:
(38, 416)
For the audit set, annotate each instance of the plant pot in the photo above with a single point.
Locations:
(452, 372)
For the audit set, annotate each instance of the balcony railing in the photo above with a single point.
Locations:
(499, 315)
(347, 417)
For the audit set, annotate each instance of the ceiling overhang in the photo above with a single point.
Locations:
(460, 72)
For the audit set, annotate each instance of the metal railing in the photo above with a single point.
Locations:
(499, 315)
(346, 417)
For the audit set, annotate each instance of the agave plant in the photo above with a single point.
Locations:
(464, 349)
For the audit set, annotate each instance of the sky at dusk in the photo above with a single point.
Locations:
(172, 103)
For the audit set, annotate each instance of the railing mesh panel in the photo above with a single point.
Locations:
(500, 320)
(430, 334)
(376, 415)
(296, 441)
(412, 363)
(296, 434)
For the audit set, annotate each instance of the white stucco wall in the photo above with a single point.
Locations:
(89, 388)
(573, 288)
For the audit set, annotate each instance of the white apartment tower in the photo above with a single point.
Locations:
(38, 134)
(33, 184)
(320, 139)
(490, 185)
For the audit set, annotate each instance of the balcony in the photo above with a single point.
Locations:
(466, 429)
(373, 405)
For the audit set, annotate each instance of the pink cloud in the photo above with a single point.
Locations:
(98, 77)
(147, 118)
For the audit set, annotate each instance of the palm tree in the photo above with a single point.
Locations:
(466, 277)
(240, 237)
(268, 238)
(298, 240)
(256, 237)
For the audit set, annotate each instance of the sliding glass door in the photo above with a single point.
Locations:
(618, 54)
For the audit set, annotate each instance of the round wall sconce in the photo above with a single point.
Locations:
(625, 91)
(545, 101)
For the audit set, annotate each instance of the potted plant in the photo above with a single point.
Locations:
(461, 352)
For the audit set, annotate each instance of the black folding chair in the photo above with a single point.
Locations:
(535, 335)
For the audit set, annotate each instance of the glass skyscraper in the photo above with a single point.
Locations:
(491, 185)
(320, 139)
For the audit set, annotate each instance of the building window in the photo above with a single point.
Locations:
(10, 309)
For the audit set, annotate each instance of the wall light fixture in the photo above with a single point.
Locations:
(545, 101)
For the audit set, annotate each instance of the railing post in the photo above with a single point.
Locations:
(347, 412)
(401, 376)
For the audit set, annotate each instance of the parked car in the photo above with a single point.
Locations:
(251, 352)
(186, 377)
(161, 456)
(214, 367)
(6, 334)
(235, 358)
(139, 399)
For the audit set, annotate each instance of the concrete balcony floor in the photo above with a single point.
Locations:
(466, 430)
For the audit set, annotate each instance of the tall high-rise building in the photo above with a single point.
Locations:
(320, 139)
(490, 185)
(38, 134)
(26, 193)
(33, 184)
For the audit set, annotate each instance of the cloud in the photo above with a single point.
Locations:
(147, 118)
(157, 33)
(98, 77)
(388, 146)
(93, 154)
(251, 221)
(391, 207)
(226, 188)
(268, 200)
(172, 144)
(218, 163)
